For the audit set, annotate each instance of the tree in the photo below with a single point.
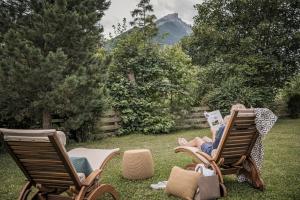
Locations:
(49, 65)
(163, 83)
(143, 20)
(119, 29)
(257, 40)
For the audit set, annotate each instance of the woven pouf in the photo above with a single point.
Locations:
(137, 164)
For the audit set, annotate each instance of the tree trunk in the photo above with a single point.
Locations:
(46, 120)
(131, 77)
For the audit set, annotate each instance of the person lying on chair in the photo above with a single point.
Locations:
(206, 144)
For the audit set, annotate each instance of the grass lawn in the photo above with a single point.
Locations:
(281, 171)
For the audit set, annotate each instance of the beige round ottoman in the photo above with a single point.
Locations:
(137, 164)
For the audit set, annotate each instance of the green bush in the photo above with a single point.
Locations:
(147, 83)
(222, 84)
(294, 106)
(290, 94)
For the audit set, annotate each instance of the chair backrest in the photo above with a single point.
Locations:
(239, 138)
(41, 157)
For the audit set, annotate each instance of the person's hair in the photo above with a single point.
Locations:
(233, 107)
(237, 106)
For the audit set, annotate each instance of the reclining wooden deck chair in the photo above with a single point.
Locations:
(233, 153)
(47, 167)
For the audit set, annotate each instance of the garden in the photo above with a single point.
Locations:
(59, 71)
(280, 170)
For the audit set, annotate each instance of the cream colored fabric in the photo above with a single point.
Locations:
(137, 164)
(29, 135)
(81, 176)
(62, 137)
(183, 183)
(96, 157)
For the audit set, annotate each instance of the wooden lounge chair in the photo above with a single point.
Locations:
(47, 167)
(233, 153)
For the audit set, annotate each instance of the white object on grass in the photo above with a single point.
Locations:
(159, 185)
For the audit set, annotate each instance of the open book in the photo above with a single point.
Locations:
(214, 119)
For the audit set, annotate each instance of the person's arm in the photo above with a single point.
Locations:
(213, 134)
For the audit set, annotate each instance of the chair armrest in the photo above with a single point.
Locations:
(205, 155)
(90, 179)
(195, 153)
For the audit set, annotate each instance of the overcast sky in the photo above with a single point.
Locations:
(121, 8)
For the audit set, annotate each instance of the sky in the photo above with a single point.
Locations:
(121, 8)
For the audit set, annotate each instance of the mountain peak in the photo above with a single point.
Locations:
(170, 17)
(174, 27)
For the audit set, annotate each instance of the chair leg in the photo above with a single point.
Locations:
(25, 191)
(102, 189)
(223, 190)
(252, 174)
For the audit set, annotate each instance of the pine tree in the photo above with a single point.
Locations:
(143, 19)
(48, 64)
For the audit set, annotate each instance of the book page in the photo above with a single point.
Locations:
(214, 119)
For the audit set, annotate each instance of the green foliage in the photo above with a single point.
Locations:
(257, 43)
(144, 20)
(146, 83)
(290, 94)
(48, 63)
(233, 88)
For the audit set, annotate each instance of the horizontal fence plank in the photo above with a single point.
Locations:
(109, 119)
(109, 113)
(109, 128)
(200, 109)
(194, 118)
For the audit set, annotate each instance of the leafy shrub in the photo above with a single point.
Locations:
(222, 84)
(294, 106)
(147, 83)
(291, 96)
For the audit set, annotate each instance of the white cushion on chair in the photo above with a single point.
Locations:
(96, 157)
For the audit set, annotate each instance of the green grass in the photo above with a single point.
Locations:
(281, 171)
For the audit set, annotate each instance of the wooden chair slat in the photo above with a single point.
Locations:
(240, 137)
(26, 152)
(239, 117)
(56, 169)
(35, 177)
(244, 123)
(53, 182)
(229, 161)
(243, 132)
(42, 161)
(49, 173)
(229, 171)
(238, 141)
(235, 148)
(238, 155)
(233, 152)
(30, 144)
(37, 156)
(244, 126)
(246, 144)
(28, 148)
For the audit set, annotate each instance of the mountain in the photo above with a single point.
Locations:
(171, 29)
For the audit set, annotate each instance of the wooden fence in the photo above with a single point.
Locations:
(193, 118)
(108, 124)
